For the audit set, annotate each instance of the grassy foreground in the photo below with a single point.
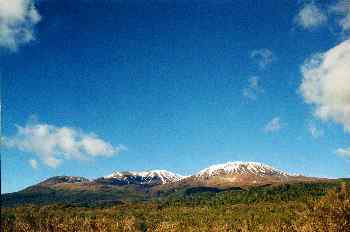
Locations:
(287, 208)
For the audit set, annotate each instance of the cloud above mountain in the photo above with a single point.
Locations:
(54, 144)
(335, 15)
(263, 57)
(315, 131)
(274, 125)
(345, 152)
(17, 21)
(253, 89)
(342, 8)
(326, 84)
(310, 16)
(33, 163)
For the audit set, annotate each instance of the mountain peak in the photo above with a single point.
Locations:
(145, 177)
(241, 168)
(64, 179)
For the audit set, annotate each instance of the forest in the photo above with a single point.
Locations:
(294, 207)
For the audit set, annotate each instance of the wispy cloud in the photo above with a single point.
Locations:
(344, 152)
(274, 125)
(263, 57)
(253, 89)
(342, 8)
(310, 16)
(17, 21)
(326, 84)
(33, 163)
(54, 144)
(315, 131)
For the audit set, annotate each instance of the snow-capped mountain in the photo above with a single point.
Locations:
(64, 179)
(230, 174)
(241, 168)
(240, 174)
(144, 177)
(131, 185)
(216, 175)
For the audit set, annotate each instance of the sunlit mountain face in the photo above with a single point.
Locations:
(125, 186)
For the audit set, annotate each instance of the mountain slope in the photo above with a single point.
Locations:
(241, 168)
(153, 177)
(239, 174)
(144, 185)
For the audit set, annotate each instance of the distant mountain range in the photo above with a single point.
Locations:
(132, 185)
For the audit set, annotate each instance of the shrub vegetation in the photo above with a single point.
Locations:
(286, 208)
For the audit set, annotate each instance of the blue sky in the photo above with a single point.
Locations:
(175, 85)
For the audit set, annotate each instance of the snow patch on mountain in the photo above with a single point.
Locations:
(65, 179)
(147, 176)
(239, 167)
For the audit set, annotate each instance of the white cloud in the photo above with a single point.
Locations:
(342, 8)
(345, 152)
(315, 131)
(273, 125)
(54, 144)
(17, 21)
(263, 57)
(253, 89)
(310, 16)
(326, 84)
(33, 163)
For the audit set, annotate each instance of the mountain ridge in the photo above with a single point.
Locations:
(122, 186)
(145, 177)
(233, 169)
